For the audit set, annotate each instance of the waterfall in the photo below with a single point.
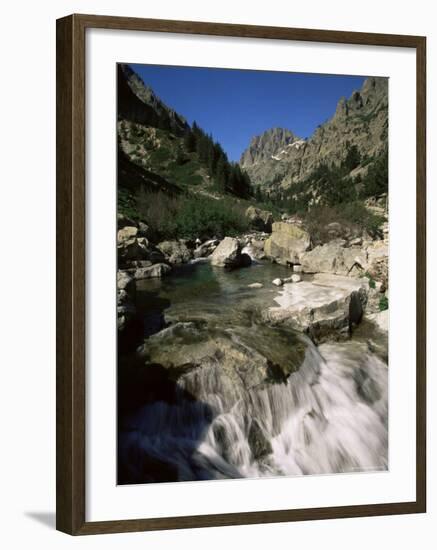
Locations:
(330, 416)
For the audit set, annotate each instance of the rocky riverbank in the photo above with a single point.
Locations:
(330, 288)
(240, 347)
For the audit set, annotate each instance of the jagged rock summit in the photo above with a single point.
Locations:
(269, 145)
(278, 158)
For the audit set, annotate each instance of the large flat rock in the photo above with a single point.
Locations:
(287, 243)
(326, 307)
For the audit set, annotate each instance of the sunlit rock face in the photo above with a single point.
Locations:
(278, 159)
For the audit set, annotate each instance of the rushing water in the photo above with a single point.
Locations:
(329, 415)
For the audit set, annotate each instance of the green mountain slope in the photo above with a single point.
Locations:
(164, 163)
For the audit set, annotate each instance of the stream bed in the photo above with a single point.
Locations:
(213, 392)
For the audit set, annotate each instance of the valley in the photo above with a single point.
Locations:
(252, 297)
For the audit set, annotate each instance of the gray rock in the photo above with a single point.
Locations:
(230, 359)
(125, 293)
(133, 249)
(154, 271)
(326, 307)
(228, 254)
(255, 285)
(255, 249)
(175, 252)
(260, 219)
(125, 281)
(278, 282)
(206, 249)
(334, 258)
(287, 243)
(126, 233)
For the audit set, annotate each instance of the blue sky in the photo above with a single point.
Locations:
(235, 105)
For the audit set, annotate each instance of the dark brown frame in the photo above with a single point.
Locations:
(70, 299)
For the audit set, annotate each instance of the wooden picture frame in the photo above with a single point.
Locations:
(71, 248)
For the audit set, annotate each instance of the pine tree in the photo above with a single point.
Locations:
(220, 175)
(189, 141)
(353, 158)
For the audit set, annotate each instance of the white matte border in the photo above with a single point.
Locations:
(104, 499)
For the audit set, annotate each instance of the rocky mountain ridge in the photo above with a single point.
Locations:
(360, 121)
(271, 144)
(138, 103)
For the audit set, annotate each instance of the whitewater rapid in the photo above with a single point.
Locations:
(330, 416)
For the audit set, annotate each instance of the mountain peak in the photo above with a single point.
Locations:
(267, 145)
(139, 103)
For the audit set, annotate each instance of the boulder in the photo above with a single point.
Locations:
(334, 258)
(125, 281)
(255, 285)
(175, 252)
(296, 278)
(133, 249)
(125, 293)
(259, 219)
(126, 233)
(222, 356)
(324, 308)
(255, 249)
(322, 259)
(228, 254)
(287, 243)
(206, 249)
(277, 282)
(154, 271)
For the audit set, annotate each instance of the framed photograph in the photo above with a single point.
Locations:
(240, 274)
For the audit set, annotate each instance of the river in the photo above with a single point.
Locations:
(215, 393)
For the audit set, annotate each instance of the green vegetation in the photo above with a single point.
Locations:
(351, 216)
(228, 177)
(352, 159)
(191, 160)
(186, 216)
(383, 303)
(375, 182)
(330, 194)
(126, 204)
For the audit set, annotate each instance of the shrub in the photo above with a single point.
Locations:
(375, 182)
(383, 303)
(189, 216)
(352, 159)
(353, 217)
